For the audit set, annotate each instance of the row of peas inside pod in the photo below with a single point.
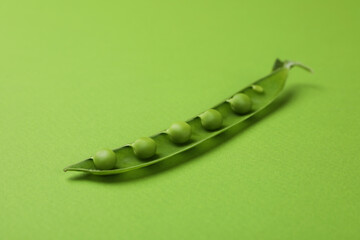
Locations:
(178, 132)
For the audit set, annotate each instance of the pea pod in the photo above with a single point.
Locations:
(265, 91)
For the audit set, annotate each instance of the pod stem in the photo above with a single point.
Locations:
(289, 64)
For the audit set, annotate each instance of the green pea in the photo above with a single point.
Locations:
(144, 147)
(179, 132)
(257, 88)
(241, 103)
(105, 159)
(211, 119)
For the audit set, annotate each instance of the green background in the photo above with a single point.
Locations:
(77, 76)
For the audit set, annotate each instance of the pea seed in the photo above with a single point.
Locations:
(179, 132)
(105, 159)
(144, 147)
(257, 88)
(211, 119)
(241, 103)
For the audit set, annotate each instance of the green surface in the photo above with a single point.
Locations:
(78, 76)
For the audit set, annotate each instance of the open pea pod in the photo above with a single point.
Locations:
(261, 93)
